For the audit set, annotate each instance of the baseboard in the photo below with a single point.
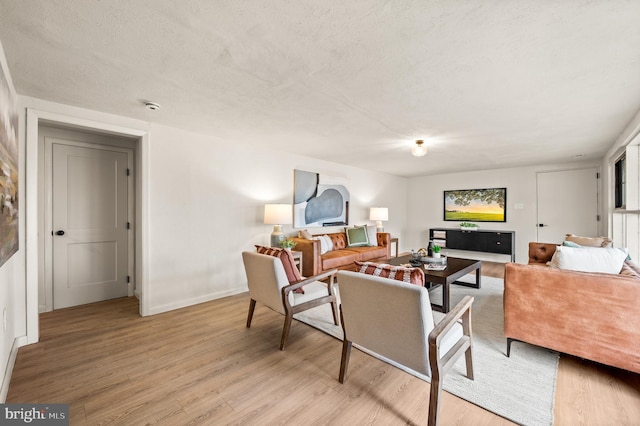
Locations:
(193, 301)
(8, 371)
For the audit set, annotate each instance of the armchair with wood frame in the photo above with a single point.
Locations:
(269, 285)
(394, 319)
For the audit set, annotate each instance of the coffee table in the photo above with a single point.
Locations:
(456, 268)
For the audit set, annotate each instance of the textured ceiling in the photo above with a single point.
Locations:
(486, 84)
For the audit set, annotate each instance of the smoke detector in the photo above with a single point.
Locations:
(152, 105)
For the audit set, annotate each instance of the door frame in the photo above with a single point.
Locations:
(49, 141)
(35, 242)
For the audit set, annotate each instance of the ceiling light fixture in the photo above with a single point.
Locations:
(152, 105)
(419, 149)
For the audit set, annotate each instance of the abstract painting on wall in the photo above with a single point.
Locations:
(8, 172)
(319, 200)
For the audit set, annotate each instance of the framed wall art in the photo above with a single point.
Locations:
(8, 172)
(319, 200)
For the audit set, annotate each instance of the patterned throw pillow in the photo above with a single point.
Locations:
(289, 264)
(400, 273)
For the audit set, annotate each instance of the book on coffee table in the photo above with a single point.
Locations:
(435, 266)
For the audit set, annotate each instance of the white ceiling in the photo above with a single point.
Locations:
(487, 84)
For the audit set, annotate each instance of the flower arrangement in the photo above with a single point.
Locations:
(288, 244)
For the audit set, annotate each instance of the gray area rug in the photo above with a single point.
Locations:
(520, 388)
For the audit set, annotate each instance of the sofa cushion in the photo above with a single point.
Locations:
(289, 264)
(407, 275)
(338, 240)
(589, 241)
(357, 236)
(369, 253)
(338, 258)
(589, 259)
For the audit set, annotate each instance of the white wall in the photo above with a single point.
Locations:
(425, 203)
(206, 204)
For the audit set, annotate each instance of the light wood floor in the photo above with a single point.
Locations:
(200, 365)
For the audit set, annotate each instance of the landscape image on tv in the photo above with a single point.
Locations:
(476, 205)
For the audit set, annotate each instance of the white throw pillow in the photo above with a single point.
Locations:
(373, 235)
(589, 259)
(325, 243)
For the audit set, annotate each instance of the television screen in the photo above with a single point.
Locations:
(476, 205)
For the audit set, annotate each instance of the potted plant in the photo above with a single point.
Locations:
(435, 249)
(288, 244)
(468, 226)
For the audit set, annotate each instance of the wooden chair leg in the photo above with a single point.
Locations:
(344, 362)
(288, 318)
(469, 362)
(334, 310)
(434, 400)
(252, 307)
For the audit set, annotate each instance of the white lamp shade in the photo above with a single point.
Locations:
(379, 213)
(278, 214)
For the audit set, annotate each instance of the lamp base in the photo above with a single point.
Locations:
(379, 227)
(277, 236)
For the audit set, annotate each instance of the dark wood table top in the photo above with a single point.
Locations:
(456, 268)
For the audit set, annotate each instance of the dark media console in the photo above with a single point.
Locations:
(497, 242)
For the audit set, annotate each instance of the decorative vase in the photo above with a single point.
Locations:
(436, 255)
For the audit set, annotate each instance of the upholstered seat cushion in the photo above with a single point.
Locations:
(336, 259)
(314, 290)
(452, 336)
(368, 253)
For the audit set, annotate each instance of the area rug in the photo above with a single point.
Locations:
(520, 388)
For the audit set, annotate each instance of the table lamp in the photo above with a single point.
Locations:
(379, 214)
(277, 215)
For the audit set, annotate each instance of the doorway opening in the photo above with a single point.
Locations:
(36, 250)
(87, 190)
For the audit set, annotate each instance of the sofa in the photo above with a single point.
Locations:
(590, 315)
(341, 256)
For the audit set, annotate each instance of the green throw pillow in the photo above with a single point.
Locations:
(357, 237)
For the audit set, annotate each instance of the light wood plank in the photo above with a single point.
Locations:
(201, 365)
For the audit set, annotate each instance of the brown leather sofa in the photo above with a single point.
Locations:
(594, 316)
(341, 257)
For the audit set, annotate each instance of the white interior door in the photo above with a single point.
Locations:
(567, 204)
(90, 242)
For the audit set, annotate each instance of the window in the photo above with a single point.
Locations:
(620, 186)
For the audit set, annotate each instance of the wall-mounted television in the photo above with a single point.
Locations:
(476, 205)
